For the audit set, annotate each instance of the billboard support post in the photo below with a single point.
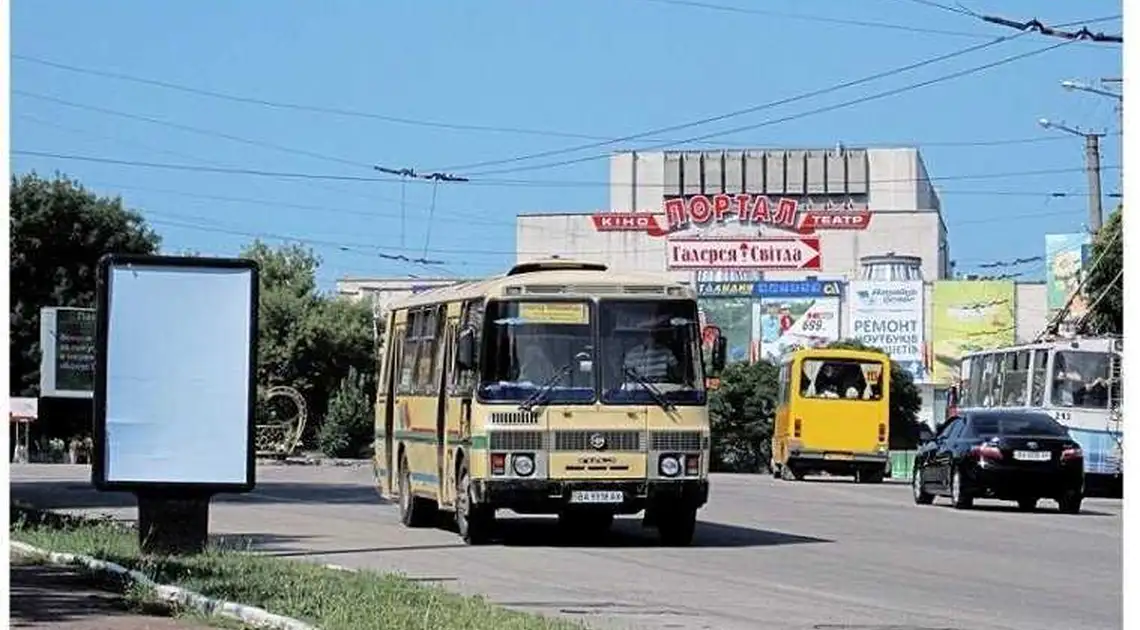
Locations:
(174, 412)
(173, 523)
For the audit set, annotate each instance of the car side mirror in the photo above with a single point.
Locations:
(720, 354)
(465, 350)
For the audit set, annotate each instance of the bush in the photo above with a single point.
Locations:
(740, 413)
(347, 430)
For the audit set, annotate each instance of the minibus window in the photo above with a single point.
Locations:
(850, 379)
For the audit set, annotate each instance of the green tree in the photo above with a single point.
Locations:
(59, 230)
(905, 401)
(347, 430)
(1106, 314)
(309, 340)
(741, 410)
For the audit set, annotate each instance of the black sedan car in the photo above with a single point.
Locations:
(1007, 455)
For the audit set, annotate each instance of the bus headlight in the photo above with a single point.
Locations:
(669, 466)
(523, 465)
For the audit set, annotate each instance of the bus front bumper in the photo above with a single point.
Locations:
(551, 496)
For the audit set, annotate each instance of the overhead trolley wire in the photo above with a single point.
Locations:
(788, 118)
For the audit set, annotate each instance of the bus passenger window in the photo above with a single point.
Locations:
(841, 378)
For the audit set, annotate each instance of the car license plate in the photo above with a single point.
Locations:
(1033, 456)
(597, 496)
(838, 456)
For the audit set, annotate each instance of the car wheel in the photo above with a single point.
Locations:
(414, 511)
(1028, 504)
(921, 496)
(959, 497)
(1070, 503)
(475, 522)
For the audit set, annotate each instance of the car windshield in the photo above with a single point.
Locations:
(651, 351)
(1080, 379)
(1020, 425)
(851, 379)
(530, 346)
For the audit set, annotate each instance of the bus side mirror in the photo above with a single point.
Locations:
(720, 354)
(465, 350)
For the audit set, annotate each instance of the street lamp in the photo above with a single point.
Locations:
(1084, 87)
(1092, 167)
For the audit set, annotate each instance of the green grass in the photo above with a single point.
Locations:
(328, 599)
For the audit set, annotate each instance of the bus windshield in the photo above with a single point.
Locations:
(851, 379)
(1081, 379)
(651, 351)
(530, 346)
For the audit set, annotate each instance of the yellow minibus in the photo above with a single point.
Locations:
(833, 414)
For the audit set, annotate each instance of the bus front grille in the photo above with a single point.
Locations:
(516, 441)
(681, 441)
(514, 417)
(582, 440)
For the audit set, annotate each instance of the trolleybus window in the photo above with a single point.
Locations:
(1080, 379)
(1040, 357)
(651, 350)
(532, 346)
(842, 378)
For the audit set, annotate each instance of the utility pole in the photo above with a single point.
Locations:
(1092, 167)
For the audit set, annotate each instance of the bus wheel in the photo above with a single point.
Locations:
(414, 511)
(788, 472)
(474, 521)
(677, 526)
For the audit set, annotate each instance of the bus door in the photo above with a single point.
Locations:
(443, 438)
(456, 409)
(387, 402)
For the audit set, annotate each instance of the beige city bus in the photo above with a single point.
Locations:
(561, 387)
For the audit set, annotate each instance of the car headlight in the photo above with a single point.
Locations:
(669, 466)
(523, 465)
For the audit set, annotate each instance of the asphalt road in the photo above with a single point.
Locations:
(822, 554)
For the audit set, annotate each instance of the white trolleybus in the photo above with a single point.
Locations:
(1077, 381)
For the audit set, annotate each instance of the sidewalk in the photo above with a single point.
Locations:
(63, 598)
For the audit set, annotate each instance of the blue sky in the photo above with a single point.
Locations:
(600, 68)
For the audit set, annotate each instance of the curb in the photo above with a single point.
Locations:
(314, 461)
(251, 615)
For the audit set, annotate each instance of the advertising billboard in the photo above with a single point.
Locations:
(791, 315)
(733, 316)
(970, 315)
(1065, 258)
(67, 345)
(694, 212)
(763, 319)
(891, 316)
(743, 253)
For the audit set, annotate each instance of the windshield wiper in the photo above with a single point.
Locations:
(546, 386)
(649, 387)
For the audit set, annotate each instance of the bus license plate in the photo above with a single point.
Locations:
(843, 456)
(1033, 456)
(597, 496)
